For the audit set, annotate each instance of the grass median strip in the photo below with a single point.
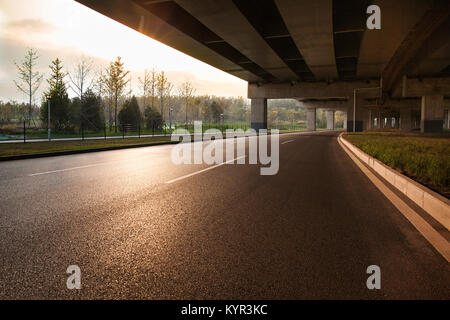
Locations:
(423, 157)
(432, 236)
(34, 148)
(14, 149)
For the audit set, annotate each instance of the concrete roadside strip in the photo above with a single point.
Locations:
(71, 152)
(434, 204)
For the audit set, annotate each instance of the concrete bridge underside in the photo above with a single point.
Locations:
(318, 52)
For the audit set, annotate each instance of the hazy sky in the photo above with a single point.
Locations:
(68, 30)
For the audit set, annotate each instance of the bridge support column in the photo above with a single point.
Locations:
(432, 115)
(379, 119)
(375, 122)
(345, 120)
(359, 116)
(405, 119)
(259, 113)
(392, 122)
(330, 119)
(447, 119)
(311, 119)
(368, 120)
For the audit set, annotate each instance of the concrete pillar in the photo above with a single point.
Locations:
(330, 119)
(366, 119)
(259, 114)
(345, 120)
(311, 119)
(432, 114)
(369, 125)
(378, 123)
(372, 120)
(415, 119)
(377, 115)
(358, 116)
(380, 120)
(406, 119)
(447, 119)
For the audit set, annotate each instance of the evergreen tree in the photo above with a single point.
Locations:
(90, 115)
(215, 110)
(59, 99)
(130, 113)
(153, 118)
(75, 112)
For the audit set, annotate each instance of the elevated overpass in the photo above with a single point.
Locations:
(319, 52)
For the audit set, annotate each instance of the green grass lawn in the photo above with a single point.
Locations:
(9, 149)
(13, 149)
(42, 133)
(423, 157)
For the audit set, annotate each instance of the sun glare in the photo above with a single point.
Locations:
(66, 26)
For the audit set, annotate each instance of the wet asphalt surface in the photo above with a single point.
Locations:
(308, 232)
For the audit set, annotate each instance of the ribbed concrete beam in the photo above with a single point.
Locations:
(396, 104)
(227, 21)
(136, 17)
(378, 46)
(326, 104)
(294, 43)
(413, 43)
(310, 24)
(434, 56)
(308, 90)
(410, 88)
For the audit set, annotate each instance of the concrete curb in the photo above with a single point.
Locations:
(433, 203)
(71, 152)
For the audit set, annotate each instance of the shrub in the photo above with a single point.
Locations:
(9, 128)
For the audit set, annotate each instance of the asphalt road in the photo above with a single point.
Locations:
(227, 233)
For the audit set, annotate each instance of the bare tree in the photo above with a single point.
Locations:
(186, 92)
(145, 84)
(98, 84)
(80, 77)
(115, 82)
(100, 90)
(153, 85)
(164, 88)
(130, 91)
(29, 79)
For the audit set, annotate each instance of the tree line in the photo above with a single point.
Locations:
(105, 98)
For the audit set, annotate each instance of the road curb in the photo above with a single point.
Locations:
(71, 152)
(433, 203)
